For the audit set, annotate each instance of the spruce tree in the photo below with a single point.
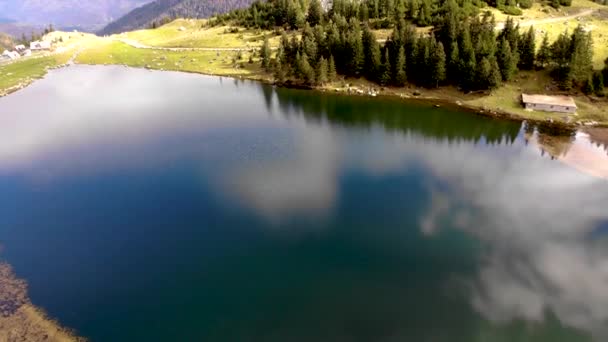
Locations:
(467, 64)
(598, 83)
(527, 50)
(452, 64)
(400, 67)
(581, 55)
(438, 68)
(605, 71)
(331, 70)
(588, 86)
(506, 60)
(483, 73)
(495, 75)
(315, 13)
(371, 54)
(424, 14)
(305, 70)
(363, 12)
(385, 78)
(399, 11)
(265, 53)
(544, 53)
(321, 76)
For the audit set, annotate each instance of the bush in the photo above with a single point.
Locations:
(512, 10)
(525, 4)
(566, 3)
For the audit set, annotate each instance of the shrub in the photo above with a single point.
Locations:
(566, 3)
(512, 10)
(525, 4)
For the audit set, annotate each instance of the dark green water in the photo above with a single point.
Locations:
(149, 206)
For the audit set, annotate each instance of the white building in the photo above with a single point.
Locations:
(10, 55)
(26, 53)
(546, 103)
(40, 45)
(20, 48)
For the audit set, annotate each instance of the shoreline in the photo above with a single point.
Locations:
(415, 95)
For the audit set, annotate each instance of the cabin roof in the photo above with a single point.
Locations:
(551, 100)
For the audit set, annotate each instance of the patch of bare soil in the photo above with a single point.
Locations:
(20, 321)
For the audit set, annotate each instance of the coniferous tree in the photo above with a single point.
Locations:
(399, 11)
(422, 63)
(544, 53)
(506, 60)
(424, 14)
(588, 86)
(453, 61)
(265, 53)
(321, 76)
(385, 78)
(527, 50)
(363, 12)
(438, 68)
(495, 75)
(371, 54)
(598, 83)
(400, 67)
(315, 13)
(305, 71)
(483, 73)
(581, 55)
(605, 70)
(467, 64)
(331, 69)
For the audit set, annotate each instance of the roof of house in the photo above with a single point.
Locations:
(551, 100)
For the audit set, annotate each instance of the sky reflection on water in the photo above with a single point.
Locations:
(284, 156)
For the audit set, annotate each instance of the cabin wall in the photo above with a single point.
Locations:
(550, 108)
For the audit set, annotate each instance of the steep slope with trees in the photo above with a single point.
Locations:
(163, 10)
(463, 48)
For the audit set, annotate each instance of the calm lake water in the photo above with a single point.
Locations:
(158, 206)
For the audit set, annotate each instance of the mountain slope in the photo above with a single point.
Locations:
(143, 16)
(87, 14)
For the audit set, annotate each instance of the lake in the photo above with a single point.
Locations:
(162, 206)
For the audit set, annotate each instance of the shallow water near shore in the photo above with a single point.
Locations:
(162, 206)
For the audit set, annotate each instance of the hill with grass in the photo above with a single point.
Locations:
(162, 11)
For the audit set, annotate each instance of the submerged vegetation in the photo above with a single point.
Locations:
(20, 321)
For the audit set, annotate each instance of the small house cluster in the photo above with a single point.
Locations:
(546, 103)
(23, 51)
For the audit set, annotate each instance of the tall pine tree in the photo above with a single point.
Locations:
(400, 68)
(527, 50)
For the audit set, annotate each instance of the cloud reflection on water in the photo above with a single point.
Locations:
(535, 217)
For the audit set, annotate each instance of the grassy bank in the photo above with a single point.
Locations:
(16, 75)
(239, 58)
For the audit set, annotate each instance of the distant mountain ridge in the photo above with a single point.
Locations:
(84, 14)
(143, 16)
